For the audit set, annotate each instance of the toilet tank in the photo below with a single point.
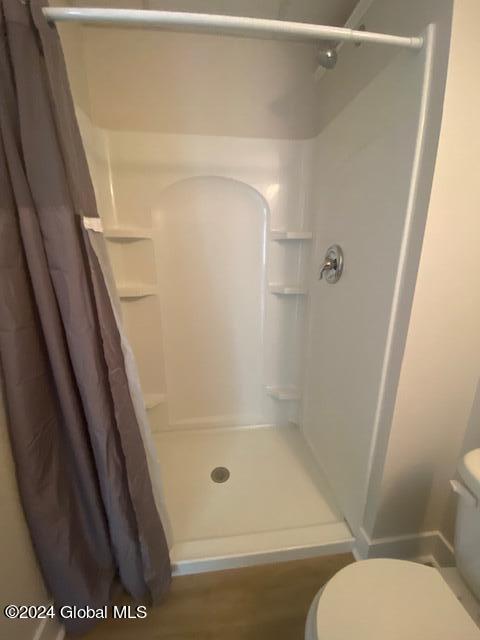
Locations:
(467, 527)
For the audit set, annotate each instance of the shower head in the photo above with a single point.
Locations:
(327, 58)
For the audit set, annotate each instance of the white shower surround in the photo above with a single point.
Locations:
(143, 168)
(273, 472)
(132, 171)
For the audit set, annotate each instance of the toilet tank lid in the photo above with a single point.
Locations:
(469, 470)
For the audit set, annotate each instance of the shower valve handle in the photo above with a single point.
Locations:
(328, 265)
(332, 266)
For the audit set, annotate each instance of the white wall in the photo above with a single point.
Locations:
(184, 83)
(437, 412)
(360, 200)
(357, 66)
(156, 108)
(365, 360)
(141, 167)
(21, 582)
(210, 238)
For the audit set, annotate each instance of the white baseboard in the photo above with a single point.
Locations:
(49, 629)
(429, 546)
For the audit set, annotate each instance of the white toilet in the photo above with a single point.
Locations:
(385, 599)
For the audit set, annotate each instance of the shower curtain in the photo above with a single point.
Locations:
(80, 459)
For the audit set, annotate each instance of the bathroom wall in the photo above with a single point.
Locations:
(437, 414)
(357, 66)
(357, 70)
(152, 80)
(261, 88)
(144, 169)
(141, 139)
(21, 581)
(362, 175)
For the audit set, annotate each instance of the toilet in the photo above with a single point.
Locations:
(385, 599)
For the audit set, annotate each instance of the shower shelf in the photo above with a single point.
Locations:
(283, 393)
(282, 234)
(286, 290)
(127, 233)
(152, 400)
(129, 291)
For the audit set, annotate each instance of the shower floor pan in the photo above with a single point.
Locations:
(275, 504)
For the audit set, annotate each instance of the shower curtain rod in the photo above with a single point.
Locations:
(225, 24)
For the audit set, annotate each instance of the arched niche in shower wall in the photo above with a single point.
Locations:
(211, 235)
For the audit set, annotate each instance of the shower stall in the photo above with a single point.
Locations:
(225, 166)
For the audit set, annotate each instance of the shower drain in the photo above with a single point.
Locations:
(220, 474)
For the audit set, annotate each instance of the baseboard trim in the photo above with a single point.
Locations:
(49, 629)
(428, 546)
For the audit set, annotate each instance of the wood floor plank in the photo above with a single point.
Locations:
(267, 602)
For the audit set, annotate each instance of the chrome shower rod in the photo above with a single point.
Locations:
(176, 20)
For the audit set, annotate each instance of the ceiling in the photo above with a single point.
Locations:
(333, 12)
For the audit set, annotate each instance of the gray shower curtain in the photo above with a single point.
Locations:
(79, 456)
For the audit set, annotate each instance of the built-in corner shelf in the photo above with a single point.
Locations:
(283, 234)
(152, 400)
(283, 393)
(132, 291)
(127, 233)
(286, 290)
